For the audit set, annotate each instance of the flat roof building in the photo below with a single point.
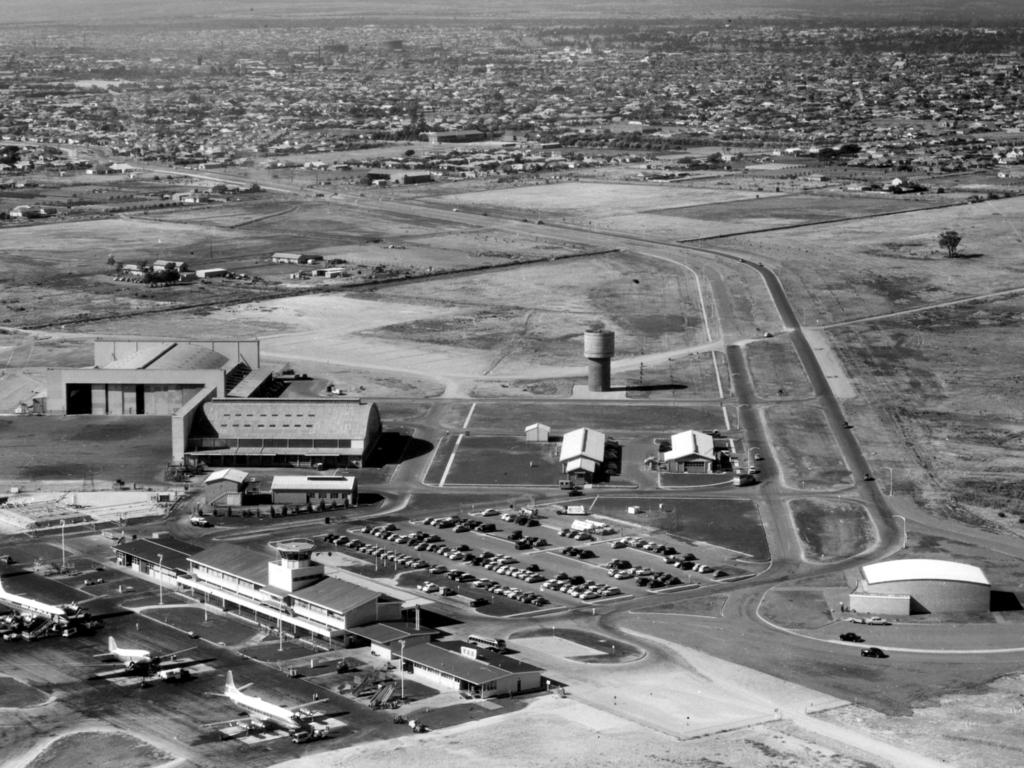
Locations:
(473, 671)
(332, 490)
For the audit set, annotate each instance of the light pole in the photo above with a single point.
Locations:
(401, 645)
(904, 521)
(63, 552)
(160, 576)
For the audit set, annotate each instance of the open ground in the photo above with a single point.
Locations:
(929, 402)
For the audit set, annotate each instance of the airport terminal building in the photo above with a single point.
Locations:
(291, 590)
(904, 587)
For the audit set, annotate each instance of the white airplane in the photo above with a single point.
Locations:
(66, 612)
(138, 660)
(291, 719)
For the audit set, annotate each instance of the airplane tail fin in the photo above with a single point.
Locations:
(112, 644)
(230, 687)
(3, 590)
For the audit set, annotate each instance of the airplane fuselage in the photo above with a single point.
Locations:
(261, 709)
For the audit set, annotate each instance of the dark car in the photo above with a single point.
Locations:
(851, 637)
(874, 653)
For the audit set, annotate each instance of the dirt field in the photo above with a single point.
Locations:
(968, 730)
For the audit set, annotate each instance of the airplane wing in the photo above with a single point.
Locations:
(172, 654)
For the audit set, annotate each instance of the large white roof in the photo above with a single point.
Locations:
(923, 570)
(691, 443)
(583, 442)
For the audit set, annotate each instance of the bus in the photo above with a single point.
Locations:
(489, 643)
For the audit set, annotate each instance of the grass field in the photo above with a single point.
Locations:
(832, 529)
(776, 370)
(500, 461)
(808, 455)
(17, 695)
(723, 522)
(95, 749)
(651, 418)
(84, 449)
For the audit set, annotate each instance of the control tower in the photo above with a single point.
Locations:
(295, 569)
(599, 349)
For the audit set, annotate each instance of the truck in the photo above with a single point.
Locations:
(573, 509)
(314, 732)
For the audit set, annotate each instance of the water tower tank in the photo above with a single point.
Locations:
(599, 349)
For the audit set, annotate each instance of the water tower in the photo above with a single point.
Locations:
(599, 349)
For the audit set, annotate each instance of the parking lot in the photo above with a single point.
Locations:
(525, 559)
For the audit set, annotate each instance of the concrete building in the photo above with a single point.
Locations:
(691, 451)
(161, 558)
(295, 258)
(226, 487)
(903, 587)
(387, 639)
(582, 453)
(291, 590)
(331, 490)
(537, 433)
(142, 377)
(473, 671)
(321, 433)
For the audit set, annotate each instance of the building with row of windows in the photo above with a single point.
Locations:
(292, 592)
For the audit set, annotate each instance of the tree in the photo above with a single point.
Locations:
(949, 240)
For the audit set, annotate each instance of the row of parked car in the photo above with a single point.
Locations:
(502, 564)
(653, 547)
(580, 588)
(645, 577)
(494, 587)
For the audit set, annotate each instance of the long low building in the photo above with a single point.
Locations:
(461, 667)
(331, 490)
(903, 587)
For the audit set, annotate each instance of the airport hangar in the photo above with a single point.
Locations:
(904, 587)
(226, 409)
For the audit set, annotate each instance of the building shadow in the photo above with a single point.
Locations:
(1004, 601)
(396, 447)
